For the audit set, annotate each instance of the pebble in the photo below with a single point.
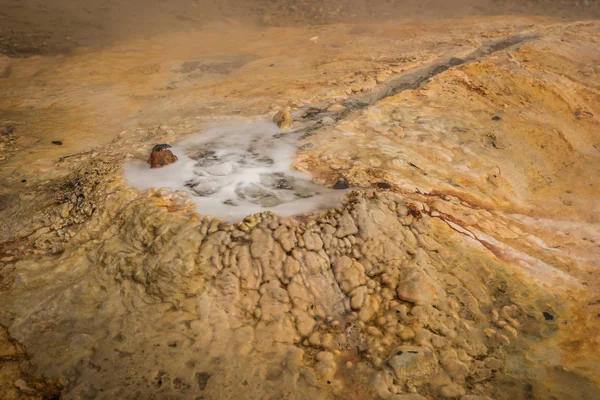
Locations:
(336, 108)
(341, 184)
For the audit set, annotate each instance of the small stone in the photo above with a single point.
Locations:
(311, 112)
(548, 316)
(341, 184)
(496, 118)
(57, 142)
(161, 156)
(383, 185)
(283, 119)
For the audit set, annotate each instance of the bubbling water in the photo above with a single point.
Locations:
(236, 170)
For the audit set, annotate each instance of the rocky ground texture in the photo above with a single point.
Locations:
(462, 264)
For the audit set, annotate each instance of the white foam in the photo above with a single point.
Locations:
(236, 170)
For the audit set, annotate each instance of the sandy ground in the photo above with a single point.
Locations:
(462, 265)
(58, 26)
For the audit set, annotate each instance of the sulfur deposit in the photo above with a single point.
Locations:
(462, 262)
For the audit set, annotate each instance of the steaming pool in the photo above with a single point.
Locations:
(235, 170)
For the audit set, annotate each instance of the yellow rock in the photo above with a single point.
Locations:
(283, 118)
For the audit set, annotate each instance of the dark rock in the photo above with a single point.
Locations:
(57, 142)
(202, 379)
(161, 157)
(283, 184)
(341, 184)
(383, 185)
(548, 316)
(311, 112)
(161, 147)
(413, 210)
(496, 118)
(454, 61)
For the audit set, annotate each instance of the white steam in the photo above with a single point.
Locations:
(237, 170)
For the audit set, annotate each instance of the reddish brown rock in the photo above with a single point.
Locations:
(161, 156)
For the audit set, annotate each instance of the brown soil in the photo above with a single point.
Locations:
(58, 26)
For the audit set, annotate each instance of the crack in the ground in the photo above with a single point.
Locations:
(419, 78)
(411, 81)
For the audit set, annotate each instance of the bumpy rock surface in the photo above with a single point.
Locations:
(335, 301)
(463, 266)
(15, 379)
